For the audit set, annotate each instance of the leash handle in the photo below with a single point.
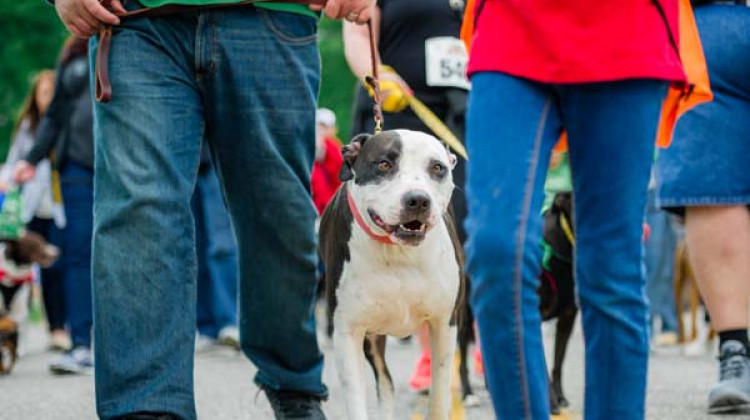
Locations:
(374, 82)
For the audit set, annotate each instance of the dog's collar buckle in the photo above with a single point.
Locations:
(358, 217)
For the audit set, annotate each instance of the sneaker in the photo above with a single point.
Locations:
(422, 377)
(732, 393)
(294, 405)
(230, 337)
(78, 360)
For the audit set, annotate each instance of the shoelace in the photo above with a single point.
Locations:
(732, 364)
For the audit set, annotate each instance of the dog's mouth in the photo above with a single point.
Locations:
(410, 232)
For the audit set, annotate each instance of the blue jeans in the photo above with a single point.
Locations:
(217, 257)
(76, 183)
(660, 249)
(52, 278)
(246, 80)
(513, 124)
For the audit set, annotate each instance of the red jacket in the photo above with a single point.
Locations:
(577, 41)
(325, 175)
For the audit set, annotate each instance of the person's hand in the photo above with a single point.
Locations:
(84, 17)
(357, 11)
(394, 91)
(24, 171)
(4, 186)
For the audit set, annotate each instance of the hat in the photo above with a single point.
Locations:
(326, 117)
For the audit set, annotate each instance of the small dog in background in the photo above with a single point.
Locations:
(557, 287)
(684, 282)
(16, 259)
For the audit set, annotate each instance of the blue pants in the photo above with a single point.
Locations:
(513, 124)
(247, 80)
(659, 260)
(52, 278)
(217, 257)
(76, 182)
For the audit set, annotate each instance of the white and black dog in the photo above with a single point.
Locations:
(393, 261)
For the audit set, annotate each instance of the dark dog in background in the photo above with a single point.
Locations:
(16, 259)
(557, 287)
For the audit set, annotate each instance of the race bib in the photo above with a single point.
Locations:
(445, 62)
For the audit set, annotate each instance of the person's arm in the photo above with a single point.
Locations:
(394, 90)
(21, 142)
(357, 45)
(83, 18)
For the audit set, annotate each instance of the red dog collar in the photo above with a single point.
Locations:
(358, 217)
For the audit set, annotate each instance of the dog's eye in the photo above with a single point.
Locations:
(384, 165)
(438, 168)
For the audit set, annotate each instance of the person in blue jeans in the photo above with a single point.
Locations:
(532, 77)
(216, 310)
(659, 261)
(66, 132)
(245, 78)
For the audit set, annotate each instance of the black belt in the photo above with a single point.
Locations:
(697, 3)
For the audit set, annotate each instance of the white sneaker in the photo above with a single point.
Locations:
(230, 337)
(78, 360)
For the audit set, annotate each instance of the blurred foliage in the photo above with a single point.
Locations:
(338, 82)
(31, 38)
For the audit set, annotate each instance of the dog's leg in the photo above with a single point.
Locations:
(695, 300)
(375, 353)
(565, 324)
(465, 336)
(348, 349)
(680, 278)
(442, 347)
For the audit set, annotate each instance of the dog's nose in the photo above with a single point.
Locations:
(417, 201)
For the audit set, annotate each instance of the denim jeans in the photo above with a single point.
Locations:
(76, 183)
(659, 259)
(513, 124)
(217, 257)
(52, 278)
(247, 81)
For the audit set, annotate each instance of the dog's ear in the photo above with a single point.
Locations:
(350, 152)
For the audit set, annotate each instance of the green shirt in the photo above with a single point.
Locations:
(282, 7)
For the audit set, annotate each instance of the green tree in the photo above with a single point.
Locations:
(31, 38)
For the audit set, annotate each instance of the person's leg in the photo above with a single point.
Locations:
(612, 129)
(147, 144)
(718, 238)
(260, 99)
(77, 189)
(53, 292)
(205, 323)
(512, 126)
(220, 252)
(659, 262)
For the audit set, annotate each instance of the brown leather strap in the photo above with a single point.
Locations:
(374, 83)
